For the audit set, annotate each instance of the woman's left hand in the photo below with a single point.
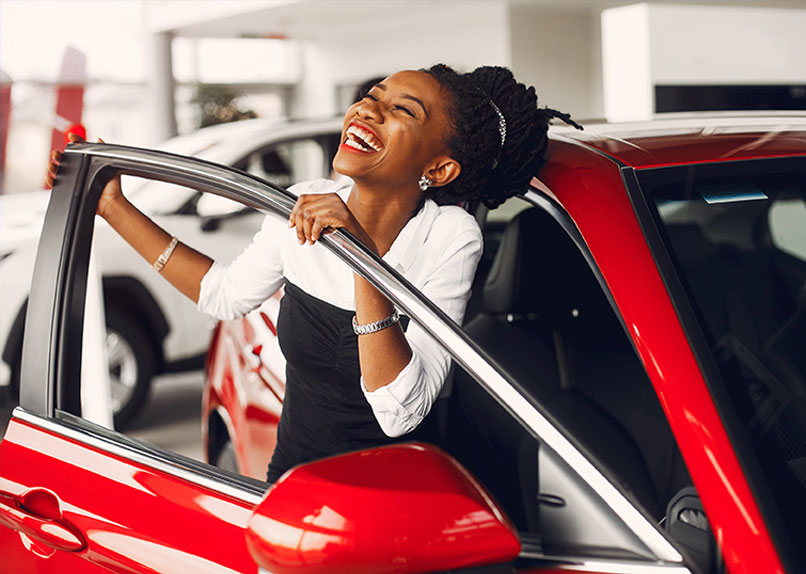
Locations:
(315, 214)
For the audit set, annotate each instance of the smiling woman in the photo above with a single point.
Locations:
(415, 147)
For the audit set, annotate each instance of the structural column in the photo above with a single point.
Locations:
(161, 87)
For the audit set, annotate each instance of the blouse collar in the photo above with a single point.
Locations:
(412, 237)
(408, 243)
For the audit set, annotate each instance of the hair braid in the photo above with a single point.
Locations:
(491, 172)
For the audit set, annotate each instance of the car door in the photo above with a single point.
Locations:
(75, 496)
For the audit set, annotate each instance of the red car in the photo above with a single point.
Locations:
(629, 390)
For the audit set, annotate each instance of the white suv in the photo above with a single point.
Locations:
(152, 328)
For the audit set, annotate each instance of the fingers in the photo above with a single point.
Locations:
(53, 168)
(308, 220)
(317, 228)
(312, 215)
(56, 159)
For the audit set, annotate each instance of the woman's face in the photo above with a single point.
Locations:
(395, 133)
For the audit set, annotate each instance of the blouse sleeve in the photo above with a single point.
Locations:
(230, 291)
(401, 405)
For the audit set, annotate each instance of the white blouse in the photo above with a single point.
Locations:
(437, 251)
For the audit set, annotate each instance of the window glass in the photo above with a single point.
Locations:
(155, 340)
(787, 229)
(283, 164)
(736, 234)
(157, 197)
(289, 162)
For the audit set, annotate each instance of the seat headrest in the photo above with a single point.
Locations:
(539, 270)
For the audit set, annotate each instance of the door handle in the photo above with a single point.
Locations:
(37, 514)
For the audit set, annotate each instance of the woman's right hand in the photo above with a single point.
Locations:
(112, 190)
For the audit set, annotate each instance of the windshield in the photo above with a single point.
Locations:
(737, 237)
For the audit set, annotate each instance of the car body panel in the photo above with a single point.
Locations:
(115, 504)
(673, 142)
(237, 365)
(323, 532)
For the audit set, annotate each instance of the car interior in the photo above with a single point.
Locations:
(538, 310)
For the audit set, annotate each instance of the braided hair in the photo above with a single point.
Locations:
(492, 172)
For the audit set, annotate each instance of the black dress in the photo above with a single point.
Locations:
(324, 410)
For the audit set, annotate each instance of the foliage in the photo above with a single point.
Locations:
(219, 105)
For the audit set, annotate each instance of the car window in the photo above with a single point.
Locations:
(289, 162)
(736, 236)
(157, 197)
(283, 164)
(155, 341)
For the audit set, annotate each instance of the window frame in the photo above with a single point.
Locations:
(56, 315)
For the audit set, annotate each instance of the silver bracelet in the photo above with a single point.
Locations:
(375, 326)
(165, 255)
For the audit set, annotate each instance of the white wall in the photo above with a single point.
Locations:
(727, 45)
(475, 35)
(626, 63)
(559, 52)
(644, 45)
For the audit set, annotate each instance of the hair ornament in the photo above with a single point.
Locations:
(502, 130)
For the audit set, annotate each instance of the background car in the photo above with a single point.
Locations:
(593, 422)
(728, 229)
(152, 328)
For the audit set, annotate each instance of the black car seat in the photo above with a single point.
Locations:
(548, 323)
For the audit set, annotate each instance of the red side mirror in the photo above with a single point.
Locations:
(397, 509)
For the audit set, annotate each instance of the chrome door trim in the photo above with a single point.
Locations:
(245, 490)
(607, 566)
(247, 189)
(198, 173)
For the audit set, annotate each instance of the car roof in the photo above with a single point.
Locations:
(226, 143)
(693, 138)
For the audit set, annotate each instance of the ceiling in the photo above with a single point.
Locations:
(304, 19)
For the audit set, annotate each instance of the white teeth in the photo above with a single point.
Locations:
(355, 144)
(365, 137)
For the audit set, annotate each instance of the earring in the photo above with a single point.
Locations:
(424, 183)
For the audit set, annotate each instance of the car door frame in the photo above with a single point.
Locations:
(57, 317)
